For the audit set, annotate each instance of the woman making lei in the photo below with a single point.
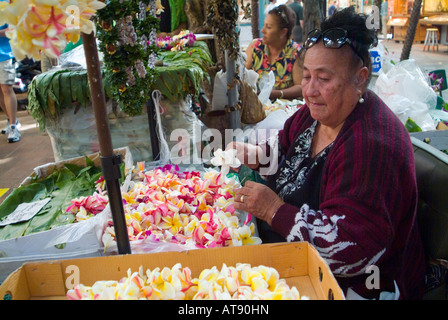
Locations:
(345, 179)
(278, 53)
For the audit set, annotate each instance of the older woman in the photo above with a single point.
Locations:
(346, 181)
(278, 53)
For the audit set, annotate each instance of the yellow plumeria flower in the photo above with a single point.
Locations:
(130, 197)
(38, 26)
(82, 214)
(172, 223)
(244, 236)
(270, 275)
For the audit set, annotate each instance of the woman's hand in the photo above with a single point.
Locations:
(258, 200)
(247, 153)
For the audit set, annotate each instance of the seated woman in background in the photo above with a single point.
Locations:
(276, 52)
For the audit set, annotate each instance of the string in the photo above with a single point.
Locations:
(164, 148)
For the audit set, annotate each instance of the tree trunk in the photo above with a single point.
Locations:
(255, 18)
(312, 15)
(323, 8)
(410, 34)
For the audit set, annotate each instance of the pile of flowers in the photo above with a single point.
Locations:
(178, 42)
(183, 208)
(89, 206)
(240, 282)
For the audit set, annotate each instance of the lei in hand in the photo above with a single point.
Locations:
(127, 31)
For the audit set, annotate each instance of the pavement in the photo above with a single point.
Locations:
(17, 160)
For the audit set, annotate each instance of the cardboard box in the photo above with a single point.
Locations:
(47, 169)
(298, 263)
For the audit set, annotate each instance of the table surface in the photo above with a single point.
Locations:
(438, 20)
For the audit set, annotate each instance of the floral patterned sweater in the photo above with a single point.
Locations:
(282, 67)
(359, 207)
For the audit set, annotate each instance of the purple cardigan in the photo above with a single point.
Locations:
(368, 199)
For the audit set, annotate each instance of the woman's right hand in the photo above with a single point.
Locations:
(247, 153)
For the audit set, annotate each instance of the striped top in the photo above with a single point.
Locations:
(365, 213)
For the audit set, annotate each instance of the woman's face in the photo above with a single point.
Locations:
(271, 30)
(331, 85)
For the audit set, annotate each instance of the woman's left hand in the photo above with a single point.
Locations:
(276, 94)
(258, 200)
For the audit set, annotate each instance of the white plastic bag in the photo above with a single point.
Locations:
(265, 84)
(219, 101)
(264, 129)
(408, 94)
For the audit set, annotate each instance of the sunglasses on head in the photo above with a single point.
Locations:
(278, 11)
(333, 38)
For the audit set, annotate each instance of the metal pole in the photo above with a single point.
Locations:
(109, 162)
(152, 129)
(261, 8)
(235, 118)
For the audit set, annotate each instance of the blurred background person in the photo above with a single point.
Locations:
(297, 32)
(8, 100)
(332, 8)
(272, 4)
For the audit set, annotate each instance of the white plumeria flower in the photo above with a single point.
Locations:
(225, 160)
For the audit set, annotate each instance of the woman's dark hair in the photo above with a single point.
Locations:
(286, 18)
(362, 38)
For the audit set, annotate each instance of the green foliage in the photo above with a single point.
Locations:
(70, 182)
(222, 18)
(118, 57)
(411, 126)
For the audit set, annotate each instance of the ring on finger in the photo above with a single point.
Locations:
(242, 198)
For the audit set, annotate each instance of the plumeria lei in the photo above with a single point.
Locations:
(178, 42)
(242, 282)
(45, 26)
(127, 31)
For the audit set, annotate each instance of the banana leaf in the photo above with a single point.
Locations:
(183, 73)
(412, 126)
(70, 182)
